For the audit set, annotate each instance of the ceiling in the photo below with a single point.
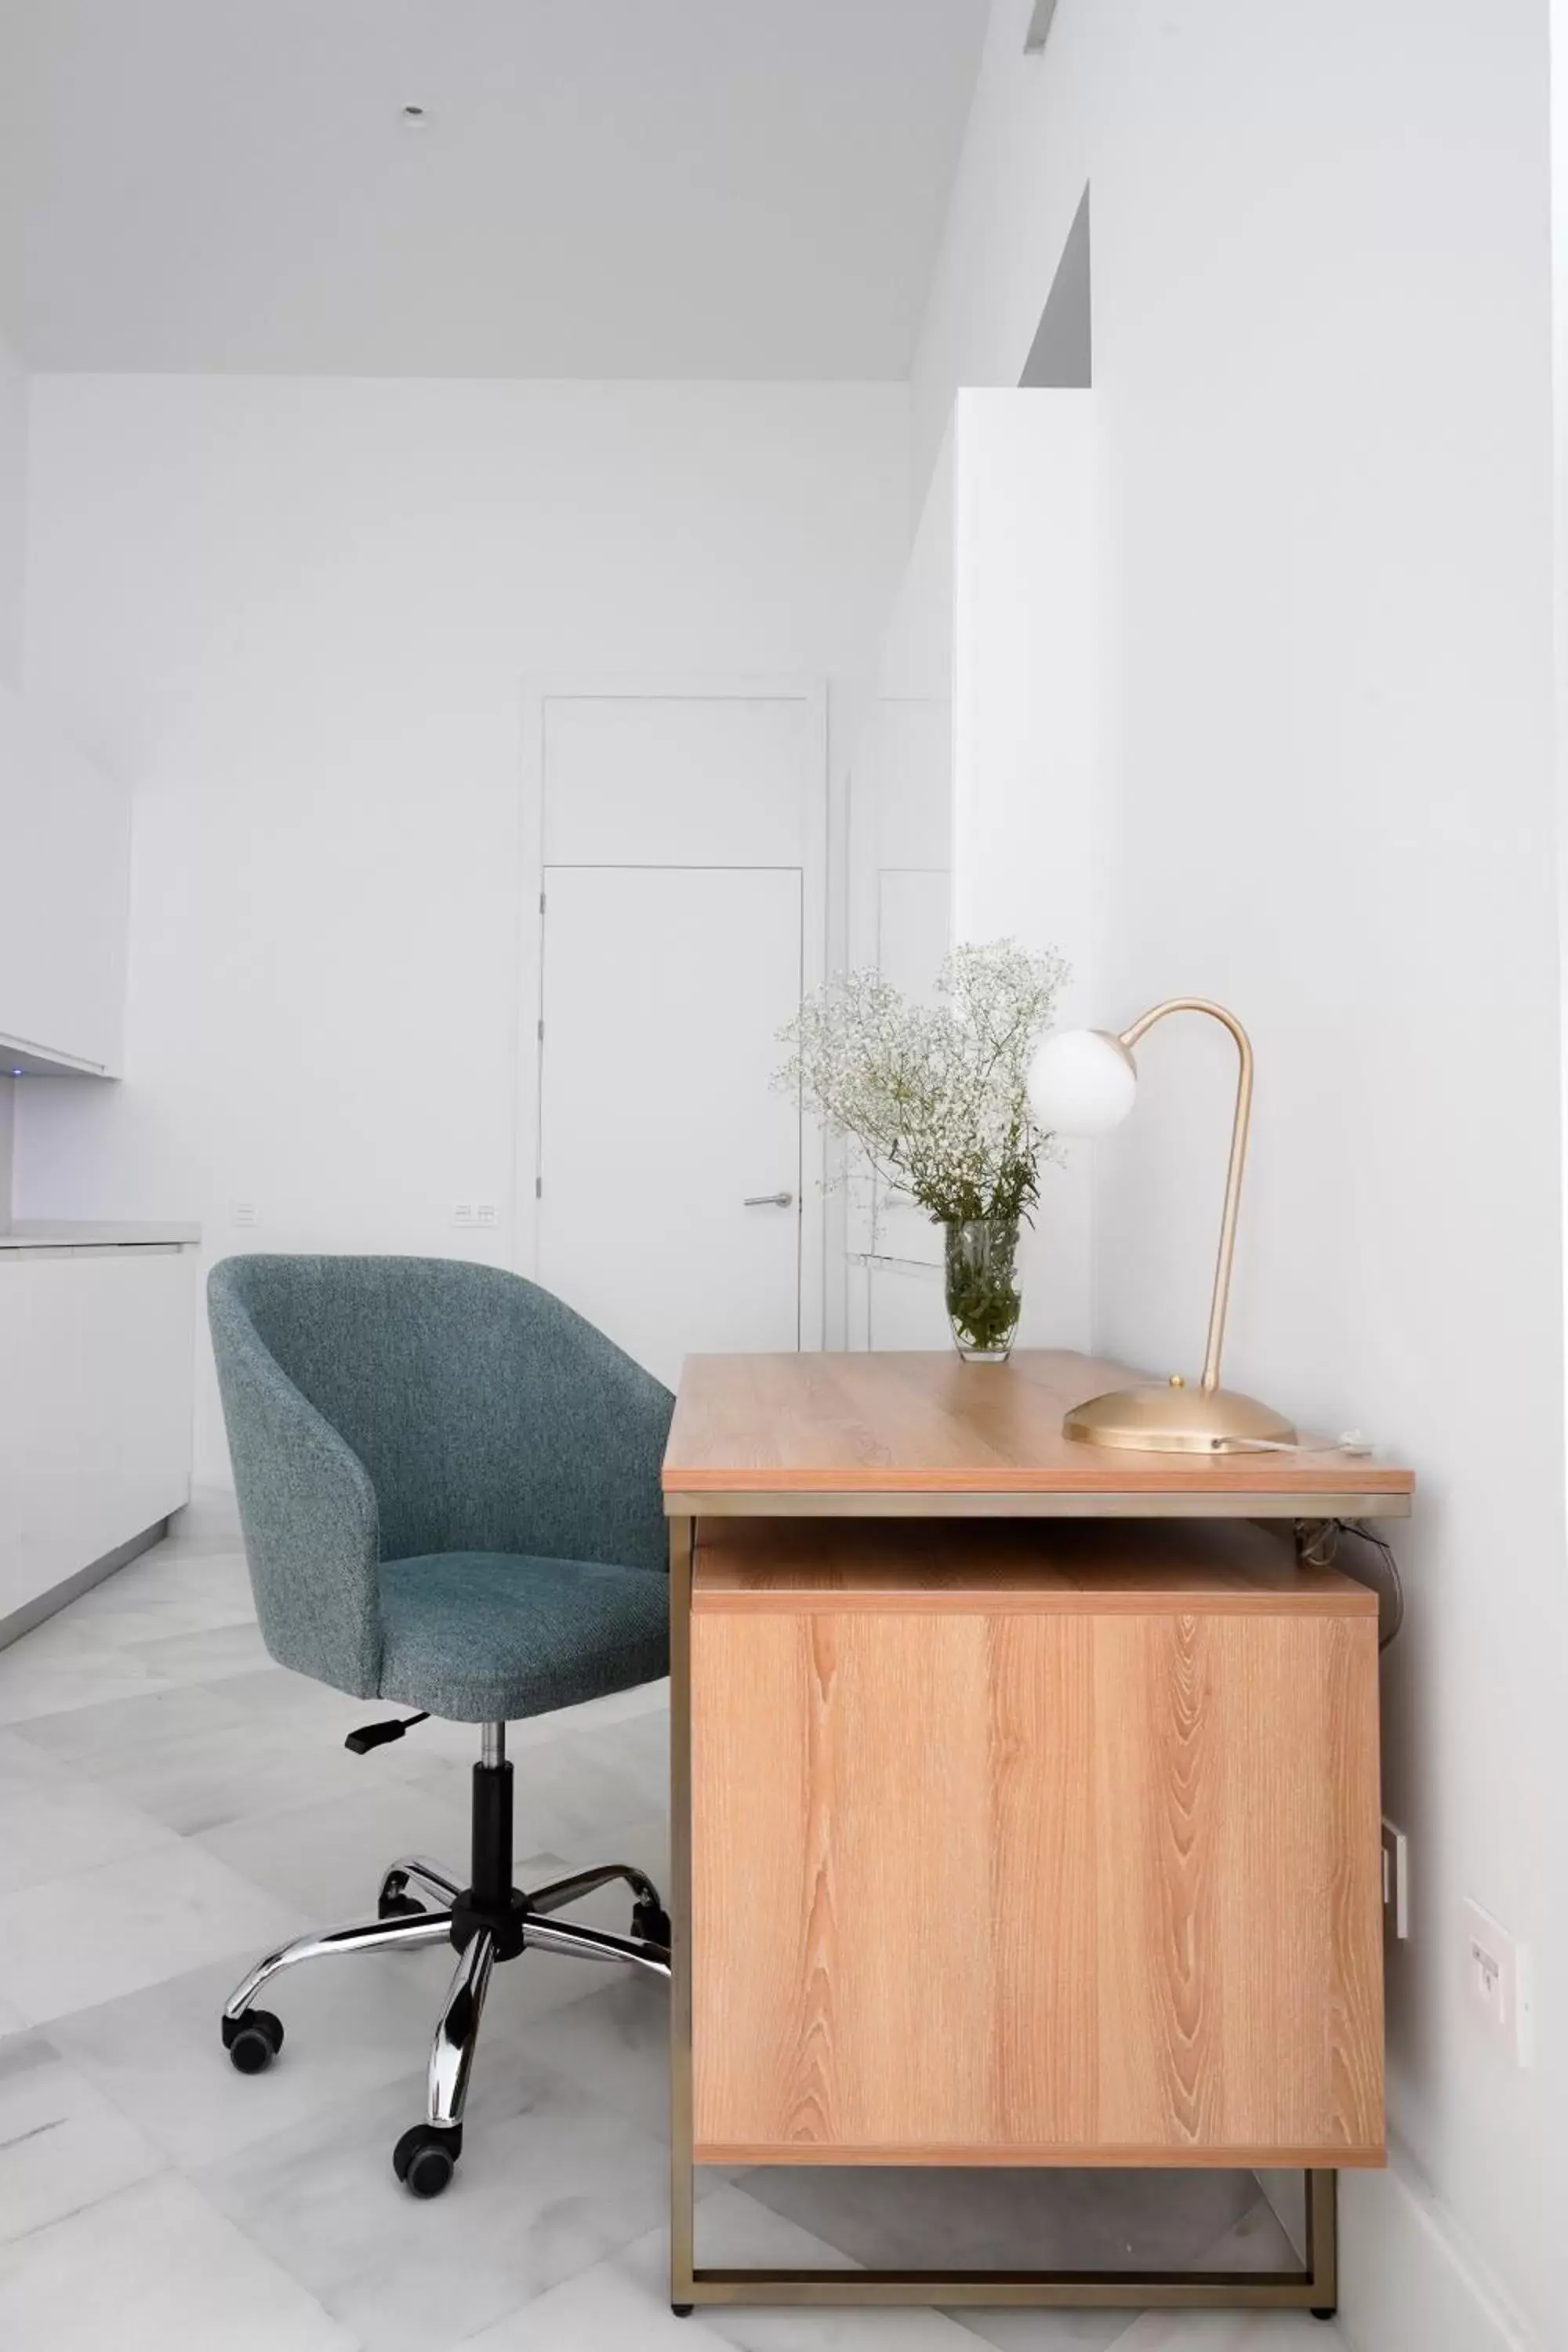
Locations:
(675, 188)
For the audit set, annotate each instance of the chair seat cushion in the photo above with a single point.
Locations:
(491, 1636)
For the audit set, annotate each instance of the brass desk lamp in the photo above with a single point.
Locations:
(1082, 1082)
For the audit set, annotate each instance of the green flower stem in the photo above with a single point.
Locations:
(983, 1295)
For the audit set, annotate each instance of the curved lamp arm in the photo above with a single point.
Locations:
(1239, 1133)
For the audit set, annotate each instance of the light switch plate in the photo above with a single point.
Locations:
(1395, 1880)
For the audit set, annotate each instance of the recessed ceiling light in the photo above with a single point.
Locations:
(414, 118)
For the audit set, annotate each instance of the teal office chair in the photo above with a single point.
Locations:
(448, 1486)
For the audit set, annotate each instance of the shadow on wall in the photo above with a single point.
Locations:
(1061, 355)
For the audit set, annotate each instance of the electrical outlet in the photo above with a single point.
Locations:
(1488, 1960)
(1498, 1972)
(486, 1213)
(463, 1214)
(1396, 1880)
(244, 1213)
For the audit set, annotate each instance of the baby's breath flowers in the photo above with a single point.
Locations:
(935, 1096)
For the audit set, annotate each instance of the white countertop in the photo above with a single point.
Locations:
(33, 1233)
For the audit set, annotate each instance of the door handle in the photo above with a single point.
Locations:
(767, 1200)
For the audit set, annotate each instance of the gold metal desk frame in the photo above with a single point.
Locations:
(1313, 2288)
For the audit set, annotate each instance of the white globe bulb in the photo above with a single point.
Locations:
(1082, 1082)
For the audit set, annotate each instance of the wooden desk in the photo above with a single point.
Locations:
(1012, 1843)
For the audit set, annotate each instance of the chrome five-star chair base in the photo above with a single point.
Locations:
(487, 1921)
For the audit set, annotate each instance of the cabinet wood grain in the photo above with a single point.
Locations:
(1020, 1872)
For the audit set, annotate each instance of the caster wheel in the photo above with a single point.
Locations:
(252, 2039)
(651, 1922)
(1322, 2314)
(681, 2310)
(398, 1906)
(425, 2157)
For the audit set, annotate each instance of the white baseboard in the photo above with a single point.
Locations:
(1409, 2282)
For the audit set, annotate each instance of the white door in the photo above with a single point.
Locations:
(682, 856)
(670, 1168)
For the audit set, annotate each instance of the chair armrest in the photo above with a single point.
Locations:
(308, 1511)
(574, 1433)
(616, 1510)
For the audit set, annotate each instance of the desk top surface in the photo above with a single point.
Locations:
(930, 1432)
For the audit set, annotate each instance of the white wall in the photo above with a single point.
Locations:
(298, 615)
(12, 509)
(973, 816)
(1025, 667)
(7, 1129)
(898, 863)
(1321, 362)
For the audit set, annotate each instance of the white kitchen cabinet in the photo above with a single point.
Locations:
(97, 1348)
(65, 865)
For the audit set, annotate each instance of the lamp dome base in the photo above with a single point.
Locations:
(1165, 1417)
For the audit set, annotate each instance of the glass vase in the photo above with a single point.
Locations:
(982, 1297)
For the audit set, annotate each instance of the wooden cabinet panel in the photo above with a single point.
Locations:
(1050, 1884)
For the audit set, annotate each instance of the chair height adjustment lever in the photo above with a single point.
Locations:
(377, 1735)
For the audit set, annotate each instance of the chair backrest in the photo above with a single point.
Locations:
(488, 1415)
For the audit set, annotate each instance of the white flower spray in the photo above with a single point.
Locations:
(935, 1096)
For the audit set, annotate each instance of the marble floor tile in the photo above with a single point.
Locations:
(734, 2229)
(1231, 2331)
(1255, 2242)
(207, 1656)
(614, 2044)
(191, 1535)
(644, 1842)
(56, 1674)
(52, 1828)
(326, 1858)
(1045, 2331)
(154, 2269)
(227, 1768)
(565, 1791)
(352, 2026)
(24, 1765)
(100, 1738)
(59, 1638)
(549, 2183)
(203, 1572)
(155, 1596)
(75, 1941)
(636, 1746)
(273, 1695)
(983, 2218)
(62, 2144)
(621, 2305)
(590, 1715)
